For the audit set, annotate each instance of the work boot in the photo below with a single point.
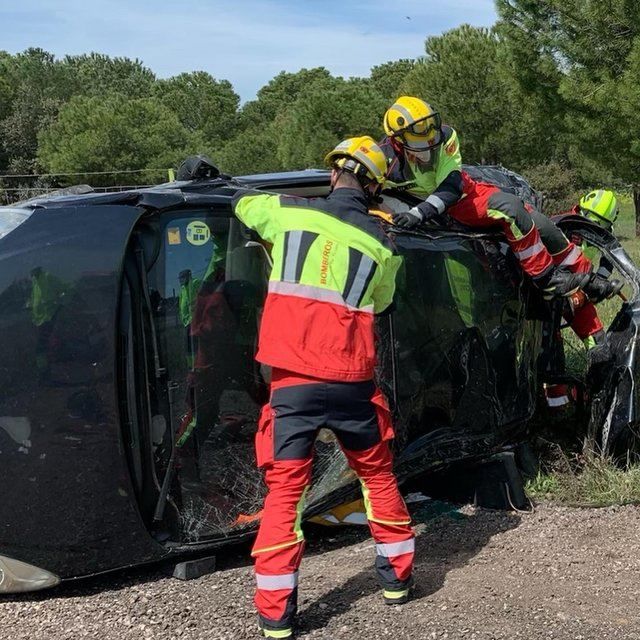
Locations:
(599, 288)
(561, 283)
(265, 632)
(401, 596)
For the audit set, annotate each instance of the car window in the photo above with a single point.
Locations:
(12, 218)
(207, 289)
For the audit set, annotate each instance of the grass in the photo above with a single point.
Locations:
(592, 480)
(595, 482)
(607, 310)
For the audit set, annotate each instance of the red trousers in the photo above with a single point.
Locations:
(358, 415)
(537, 243)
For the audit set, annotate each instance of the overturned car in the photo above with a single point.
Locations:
(130, 393)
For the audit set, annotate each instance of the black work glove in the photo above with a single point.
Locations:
(414, 216)
(599, 288)
(561, 283)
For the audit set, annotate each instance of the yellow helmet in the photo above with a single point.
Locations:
(601, 206)
(414, 123)
(360, 156)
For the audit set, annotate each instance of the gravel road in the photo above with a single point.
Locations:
(556, 573)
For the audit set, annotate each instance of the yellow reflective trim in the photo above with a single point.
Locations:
(390, 521)
(499, 215)
(297, 526)
(367, 502)
(275, 547)
(395, 595)
(369, 510)
(277, 633)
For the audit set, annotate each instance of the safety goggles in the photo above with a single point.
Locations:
(422, 134)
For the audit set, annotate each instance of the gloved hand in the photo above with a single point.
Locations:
(562, 284)
(415, 215)
(407, 219)
(599, 288)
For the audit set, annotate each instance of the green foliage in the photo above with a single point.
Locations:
(593, 51)
(101, 134)
(36, 87)
(202, 104)
(388, 78)
(458, 77)
(279, 94)
(325, 113)
(592, 481)
(95, 74)
(559, 186)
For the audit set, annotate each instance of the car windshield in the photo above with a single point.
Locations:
(12, 218)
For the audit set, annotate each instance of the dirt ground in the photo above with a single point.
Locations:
(556, 573)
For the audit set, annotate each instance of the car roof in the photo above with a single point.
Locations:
(208, 191)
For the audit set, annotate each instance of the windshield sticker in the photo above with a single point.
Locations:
(173, 235)
(197, 233)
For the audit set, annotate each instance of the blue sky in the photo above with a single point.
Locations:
(246, 42)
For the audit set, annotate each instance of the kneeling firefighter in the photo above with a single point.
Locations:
(424, 159)
(334, 269)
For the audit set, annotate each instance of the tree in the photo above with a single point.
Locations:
(252, 150)
(202, 103)
(596, 50)
(36, 89)
(460, 77)
(114, 133)
(278, 95)
(325, 113)
(96, 74)
(388, 78)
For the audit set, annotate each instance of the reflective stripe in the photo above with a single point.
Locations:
(558, 402)
(292, 240)
(393, 549)
(274, 583)
(278, 633)
(572, 258)
(596, 201)
(313, 293)
(361, 281)
(538, 247)
(437, 202)
(275, 547)
(395, 595)
(407, 116)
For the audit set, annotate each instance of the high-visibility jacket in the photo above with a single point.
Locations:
(440, 182)
(333, 269)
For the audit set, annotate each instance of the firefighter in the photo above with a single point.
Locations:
(424, 158)
(334, 270)
(599, 206)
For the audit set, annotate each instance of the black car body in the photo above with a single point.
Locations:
(128, 325)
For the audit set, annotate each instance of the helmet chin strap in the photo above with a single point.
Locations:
(370, 196)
